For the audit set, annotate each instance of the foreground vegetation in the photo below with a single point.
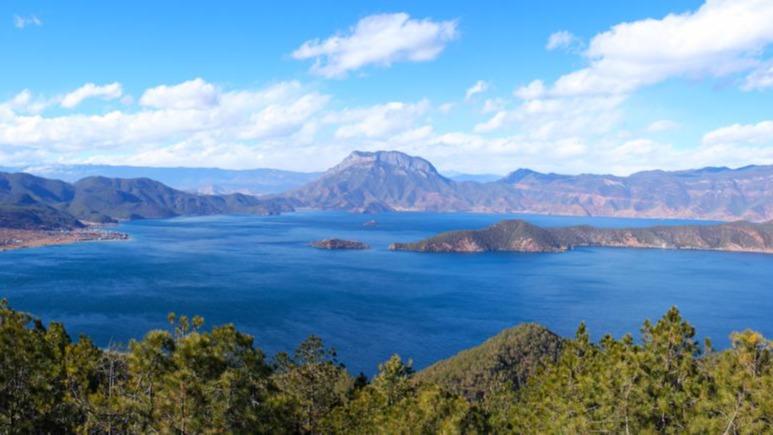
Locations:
(525, 380)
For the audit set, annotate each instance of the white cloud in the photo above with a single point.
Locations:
(110, 91)
(720, 38)
(760, 133)
(281, 119)
(494, 123)
(662, 125)
(21, 22)
(535, 89)
(553, 118)
(381, 40)
(284, 110)
(193, 94)
(379, 121)
(493, 105)
(760, 78)
(25, 102)
(586, 106)
(563, 39)
(479, 87)
(290, 126)
(283, 125)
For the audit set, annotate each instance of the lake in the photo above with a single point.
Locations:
(260, 273)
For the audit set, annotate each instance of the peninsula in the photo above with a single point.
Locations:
(521, 236)
(16, 239)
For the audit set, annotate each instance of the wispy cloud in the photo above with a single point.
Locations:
(479, 87)
(381, 40)
(193, 94)
(20, 22)
(760, 79)
(563, 40)
(110, 91)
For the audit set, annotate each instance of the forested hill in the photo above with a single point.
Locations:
(526, 380)
(521, 236)
(27, 201)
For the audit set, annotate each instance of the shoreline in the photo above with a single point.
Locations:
(12, 239)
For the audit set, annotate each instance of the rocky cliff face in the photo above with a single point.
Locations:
(709, 193)
(520, 236)
(384, 181)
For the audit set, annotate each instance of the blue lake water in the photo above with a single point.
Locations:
(260, 273)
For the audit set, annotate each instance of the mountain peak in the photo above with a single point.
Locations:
(387, 158)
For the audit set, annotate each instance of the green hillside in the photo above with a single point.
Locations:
(31, 201)
(189, 379)
(509, 358)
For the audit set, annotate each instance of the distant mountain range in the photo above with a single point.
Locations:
(31, 202)
(374, 182)
(196, 180)
(521, 236)
(389, 180)
(261, 181)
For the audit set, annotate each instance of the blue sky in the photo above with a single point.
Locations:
(603, 86)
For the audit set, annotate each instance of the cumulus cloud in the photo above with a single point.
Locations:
(281, 109)
(20, 22)
(533, 90)
(379, 121)
(110, 91)
(588, 103)
(479, 87)
(193, 94)
(198, 123)
(380, 40)
(760, 133)
(641, 53)
(563, 40)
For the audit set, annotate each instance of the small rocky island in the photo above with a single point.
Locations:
(522, 236)
(339, 244)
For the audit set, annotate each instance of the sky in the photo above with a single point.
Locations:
(476, 87)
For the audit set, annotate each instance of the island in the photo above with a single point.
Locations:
(521, 236)
(339, 244)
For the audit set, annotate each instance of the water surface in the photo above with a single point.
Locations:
(260, 273)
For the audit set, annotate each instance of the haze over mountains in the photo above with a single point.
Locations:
(260, 181)
(379, 181)
(197, 180)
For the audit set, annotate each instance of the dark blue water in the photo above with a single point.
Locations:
(260, 273)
